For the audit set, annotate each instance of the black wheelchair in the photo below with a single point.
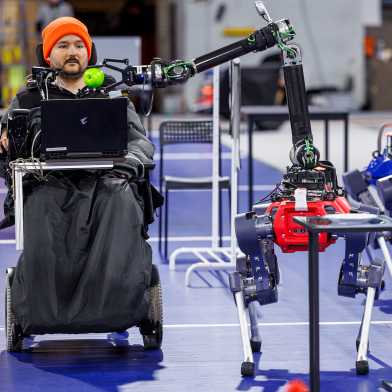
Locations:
(150, 328)
(151, 325)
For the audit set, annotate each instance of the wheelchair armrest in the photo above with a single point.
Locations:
(147, 169)
(149, 166)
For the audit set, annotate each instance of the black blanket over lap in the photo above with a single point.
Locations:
(86, 264)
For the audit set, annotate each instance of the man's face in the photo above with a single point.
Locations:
(70, 56)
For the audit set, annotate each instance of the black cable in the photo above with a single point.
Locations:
(272, 193)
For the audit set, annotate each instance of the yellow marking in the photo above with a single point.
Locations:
(238, 31)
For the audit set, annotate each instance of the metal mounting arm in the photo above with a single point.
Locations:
(303, 152)
(160, 74)
(267, 37)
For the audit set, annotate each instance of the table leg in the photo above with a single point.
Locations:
(250, 162)
(314, 332)
(18, 186)
(346, 143)
(326, 139)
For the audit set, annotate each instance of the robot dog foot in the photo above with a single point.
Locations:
(366, 276)
(254, 290)
(355, 278)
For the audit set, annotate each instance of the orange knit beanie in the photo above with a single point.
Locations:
(61, 27)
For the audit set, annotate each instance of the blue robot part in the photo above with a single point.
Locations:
(380, 166)
(355, 277)
(357, 187)
(384, 188)
(259, 269)
(357, 182)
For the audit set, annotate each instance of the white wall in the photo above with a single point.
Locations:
(372, 12)
(118, 48)
(329, 32)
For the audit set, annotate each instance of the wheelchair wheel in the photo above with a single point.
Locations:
(151, 328)
(14, 338)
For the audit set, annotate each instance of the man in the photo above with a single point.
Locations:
(86, 264)
(67, 47)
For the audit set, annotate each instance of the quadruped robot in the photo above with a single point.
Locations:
(309, 188)
(158, 74)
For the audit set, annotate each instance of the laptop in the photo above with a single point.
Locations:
(84, 128)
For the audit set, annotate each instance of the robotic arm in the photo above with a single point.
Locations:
(161, 74)
(303, 153)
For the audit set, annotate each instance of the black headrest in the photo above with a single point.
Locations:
(42, 63)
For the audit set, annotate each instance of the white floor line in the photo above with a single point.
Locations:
(283, 324)
(287, 324)
(7, 242)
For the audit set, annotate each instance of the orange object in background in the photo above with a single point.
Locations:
(370, 46)
(206, 95)
(296, 386)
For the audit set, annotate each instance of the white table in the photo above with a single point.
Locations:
(20, 169)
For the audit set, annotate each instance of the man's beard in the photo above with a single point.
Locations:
(71, 74)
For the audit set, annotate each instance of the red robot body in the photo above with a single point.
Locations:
(290, 236)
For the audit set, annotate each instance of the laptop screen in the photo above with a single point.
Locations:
(79, 128)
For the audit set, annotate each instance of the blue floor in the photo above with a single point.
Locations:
(202, 348)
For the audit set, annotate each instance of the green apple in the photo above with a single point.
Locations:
(93, 77)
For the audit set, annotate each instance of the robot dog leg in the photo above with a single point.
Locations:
(255, 280)
(381, 241)
(356, 278)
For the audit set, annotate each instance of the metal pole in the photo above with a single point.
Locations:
(326, 130)
(18, 192)
(386, 254)
(346, 143)
(235, 149)
(250, 161)
(314, 332)
(215, 162)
